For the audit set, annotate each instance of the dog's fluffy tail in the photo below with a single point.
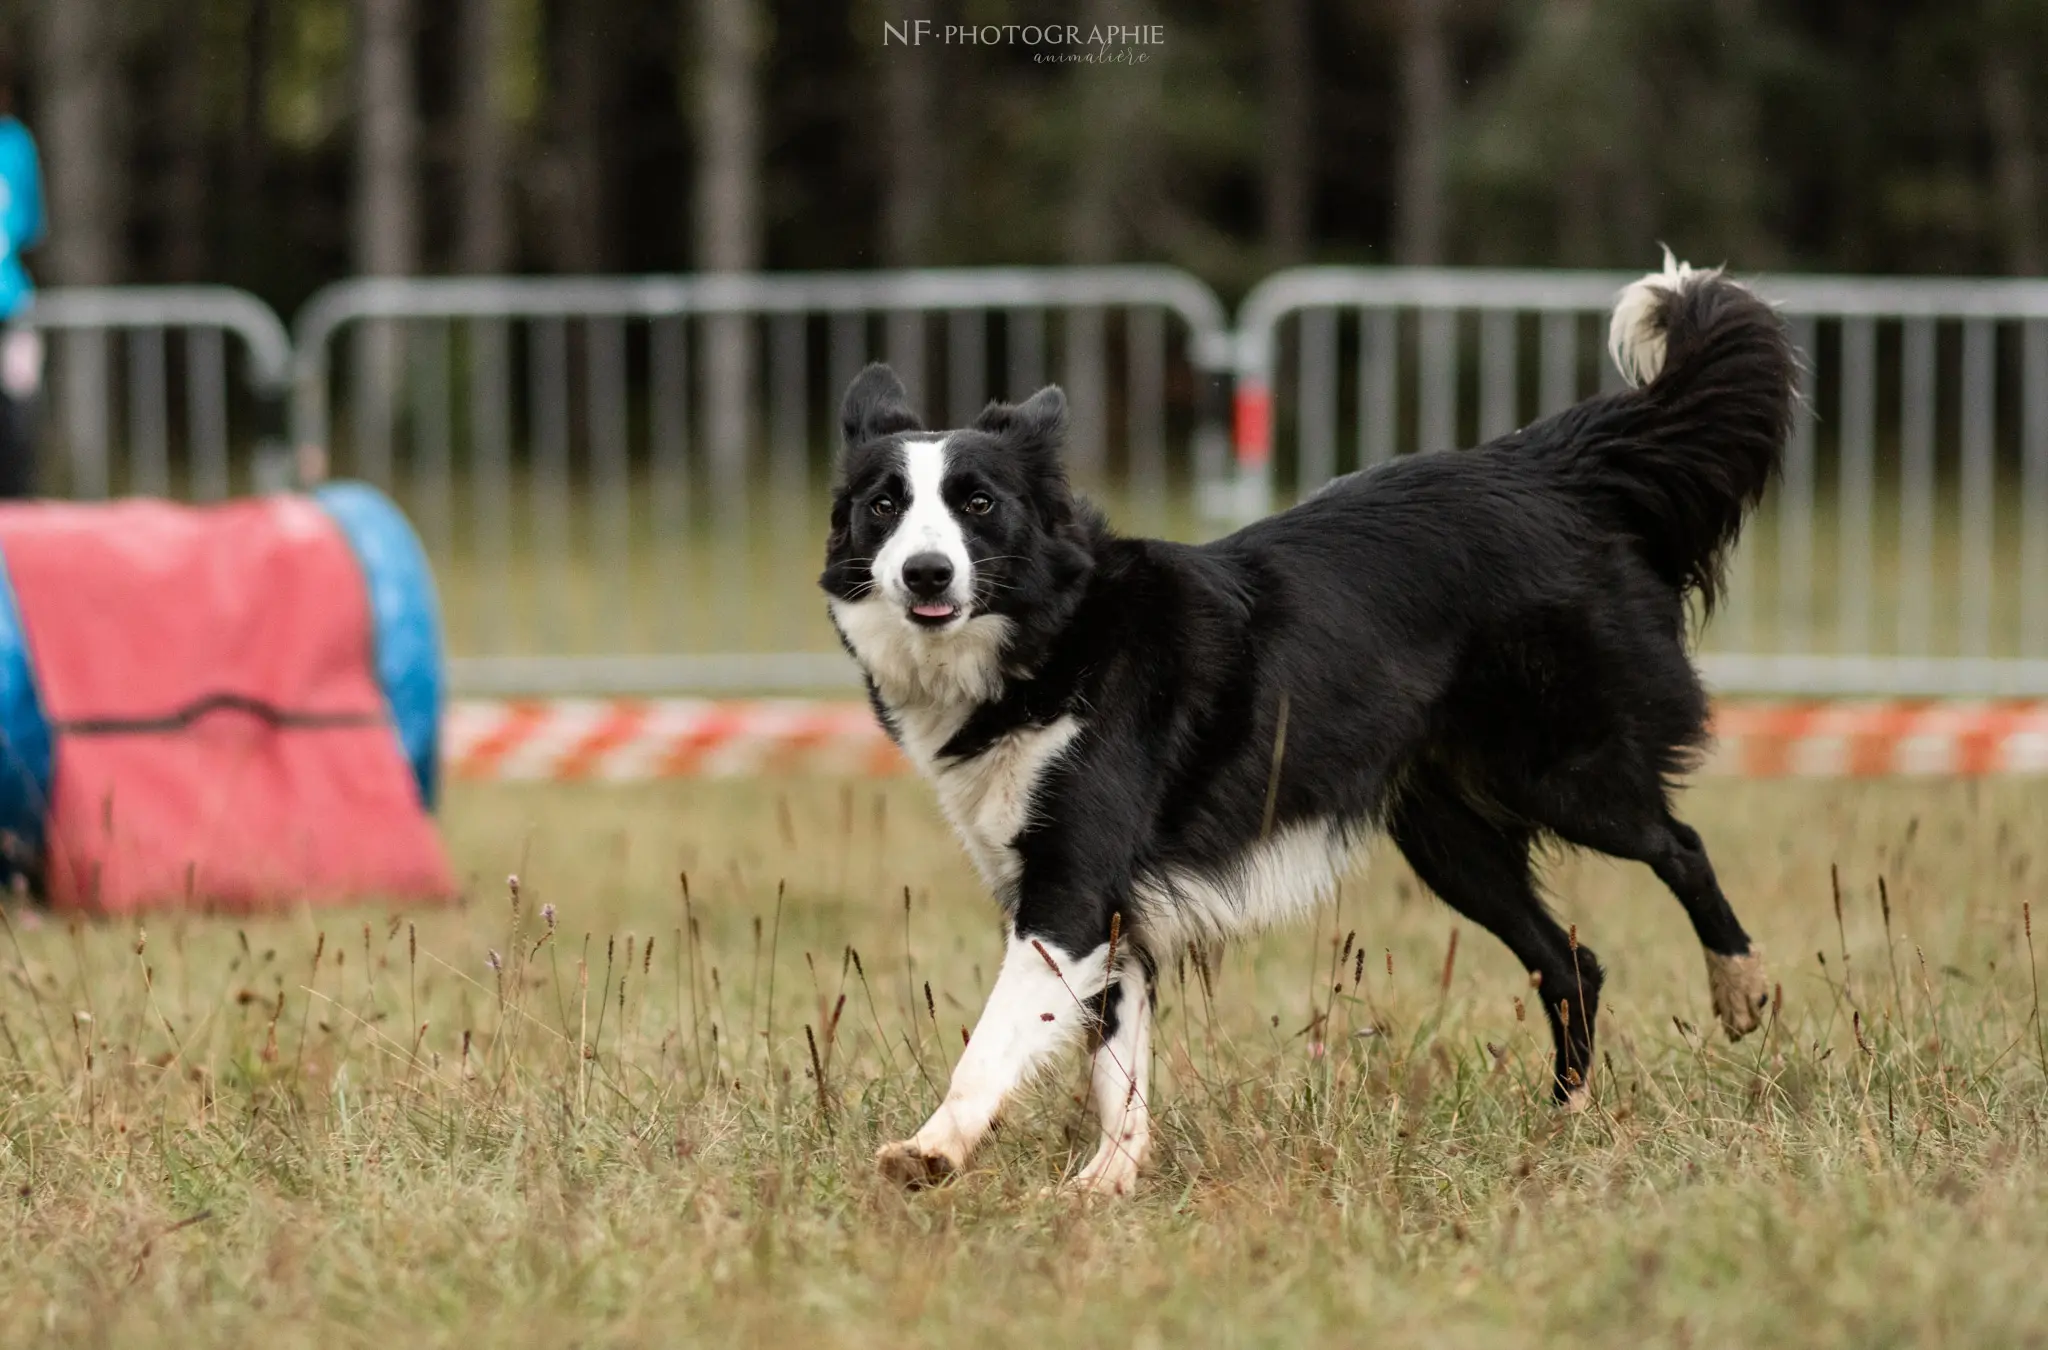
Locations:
(1682, 457)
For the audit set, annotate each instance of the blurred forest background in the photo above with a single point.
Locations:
(278, 144)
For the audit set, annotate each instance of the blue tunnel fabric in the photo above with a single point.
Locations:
(24, 737)
(405, 616)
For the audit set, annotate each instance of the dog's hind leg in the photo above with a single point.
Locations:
(1119, 1084)
(1735, 968)
(1481, 869)
(1622, 813)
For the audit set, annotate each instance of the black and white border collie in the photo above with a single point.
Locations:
(1148, 745)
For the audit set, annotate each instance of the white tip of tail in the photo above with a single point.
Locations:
(1634, 338)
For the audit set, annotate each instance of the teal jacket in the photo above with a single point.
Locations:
(21, 214)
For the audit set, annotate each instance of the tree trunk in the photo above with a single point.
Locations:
(82, 208)
(485, 240)
(729, 124)
(79, 154)
(252, 135)
(1115, 168)
(387, 141)
(1290, 95)
(387, 214)
(909, 155)
(1094, 230)
(578, 190)
(728, 224)
(2014, 165)
(1425, 111)
(183, 208)
(1580, 240)
(910, 187)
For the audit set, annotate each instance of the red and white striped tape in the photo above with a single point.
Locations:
(621, 740)
(1874, 740)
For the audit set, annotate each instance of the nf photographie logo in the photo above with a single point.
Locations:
(1053, 43)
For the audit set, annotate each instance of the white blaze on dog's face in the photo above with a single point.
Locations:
(923, 567)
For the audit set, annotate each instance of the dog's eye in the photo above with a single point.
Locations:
(883, 507)
(980, 504)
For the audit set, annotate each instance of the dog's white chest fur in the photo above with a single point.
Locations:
(989, 798)
(931, 684)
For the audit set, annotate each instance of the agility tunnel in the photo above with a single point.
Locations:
(229, 707)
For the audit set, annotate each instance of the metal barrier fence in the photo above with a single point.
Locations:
(138, 393)
(1906, 550)
(621, 481)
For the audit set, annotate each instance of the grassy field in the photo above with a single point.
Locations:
(488, 1127)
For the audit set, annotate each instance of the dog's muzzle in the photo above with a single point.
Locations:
(928, 577)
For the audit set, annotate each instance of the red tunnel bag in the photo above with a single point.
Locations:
(220, 737)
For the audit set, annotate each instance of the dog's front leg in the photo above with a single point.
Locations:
(1044, 998)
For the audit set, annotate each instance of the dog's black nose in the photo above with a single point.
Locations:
(927, 575)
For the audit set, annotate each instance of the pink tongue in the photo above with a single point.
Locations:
(931, 611)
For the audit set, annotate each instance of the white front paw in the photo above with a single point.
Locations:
(913, 1167)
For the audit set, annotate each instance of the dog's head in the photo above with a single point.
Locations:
(945, 538)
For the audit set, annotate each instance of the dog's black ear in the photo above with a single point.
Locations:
(876, 405)
(1039, 422)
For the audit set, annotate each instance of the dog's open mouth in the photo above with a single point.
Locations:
(934, 613)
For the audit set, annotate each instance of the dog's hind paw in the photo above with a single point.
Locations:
(910, 1166)
(1740, 991)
